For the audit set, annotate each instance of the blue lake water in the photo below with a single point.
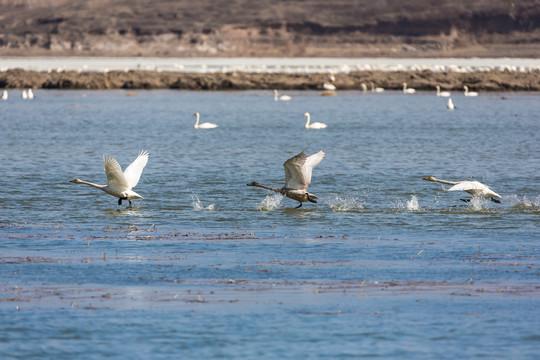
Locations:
(384, 265)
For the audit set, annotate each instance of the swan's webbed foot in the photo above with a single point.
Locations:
(496, 200)
(466, 200)
(310, 199)
(119, 201)
(299, 206)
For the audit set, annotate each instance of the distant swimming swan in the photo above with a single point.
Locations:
(315, 125)
(376, 89)
(4, 95)
(282, 97)
(205, 125)
(469, 93)
(442, 93)
(475, 188)
(408, 90)
(298, 171)
(121, 184)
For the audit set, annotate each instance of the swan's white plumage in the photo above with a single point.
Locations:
(4, 95)
(469, 93)
(120, 184)
(282, 97)
(328, 86)
(450, 104)
(298, 170)
(475, 188)
(315, 125)
(407, 90)
(30, 94)
(376, 89)
(205, 125)
(442, 93)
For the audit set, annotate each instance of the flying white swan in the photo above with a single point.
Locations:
(408, 90)
(205, 125)
(315, 125)
(121, 184)
(469, 93)
(475, 188)
(376, 89)
(450, 104)
(297, 177)
(282, 97)
(442, 93)
(4, 95)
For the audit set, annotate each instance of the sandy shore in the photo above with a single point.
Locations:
(421, 80)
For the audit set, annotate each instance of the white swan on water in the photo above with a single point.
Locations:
(407, 90)
(328, 86)
(24, 94)
(30, 94)
(4, 95)
(376, 89)
(363, 87)
(205, 125)
(315, 125)
(121, 184)
(450, 104)
(442, 93)
(475, 188)
(469, 93)
(298, 171)
(282, 97)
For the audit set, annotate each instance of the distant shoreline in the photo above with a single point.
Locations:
(420, 80)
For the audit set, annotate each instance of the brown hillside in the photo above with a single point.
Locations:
(338, 28)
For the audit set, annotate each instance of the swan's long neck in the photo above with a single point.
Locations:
(265, 186)
(404, 86)
(275, 95)
(444, 181)
(101, 187)
(197, 120)
(307, 120)
(438, 90)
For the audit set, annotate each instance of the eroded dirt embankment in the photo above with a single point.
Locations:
(424, 80)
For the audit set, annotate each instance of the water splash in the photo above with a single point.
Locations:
(345, 204)
(197, 204)
(270, 202)
(478, 203)
(525, 203)
(412, 205)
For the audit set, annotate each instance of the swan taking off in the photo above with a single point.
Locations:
(315, 125)
(282, 97)
(4, 95)
(469, 93)
(450, 104)
(121, 184)
(407, 90)
(475, 188)
(297, 177)
(205, 125)
(442, 93)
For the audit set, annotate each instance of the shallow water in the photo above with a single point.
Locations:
(385, 264)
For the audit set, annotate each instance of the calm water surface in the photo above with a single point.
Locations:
(385, 265)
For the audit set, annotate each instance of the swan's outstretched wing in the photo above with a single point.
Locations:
(134, 170)
(468, 185)
(310, 163)
(298, 170)
(115, 177)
